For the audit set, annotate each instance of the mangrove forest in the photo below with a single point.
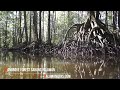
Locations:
(74, 44)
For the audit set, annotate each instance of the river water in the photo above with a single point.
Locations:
(24, 66)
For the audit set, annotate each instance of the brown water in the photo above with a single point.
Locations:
(82, 68)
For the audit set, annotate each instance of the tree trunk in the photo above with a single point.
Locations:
(30, 28)
(55, 23)
(98, 21)
(54, 26)
(0, 38)
(20, 36)
(97, 14)
(106, 20)
(68, 19)
(16, 29)
(92, 14)
(25, 24)
(78, 12)
(40, 39)
(114, 20)
(119, 19)
(49, 39)
(35, 26)
(13, 33)
(43, 26)
(5, 42)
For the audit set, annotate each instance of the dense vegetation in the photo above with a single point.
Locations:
(61, 32)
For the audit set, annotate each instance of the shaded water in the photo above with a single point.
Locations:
(82, 68)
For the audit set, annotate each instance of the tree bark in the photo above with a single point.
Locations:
(30, 28)
(119, 19)
(13, 33)
(16, 29)
(0, 38)
(20, 36)
(98, 21)
(49, 39)
(43, 26)
(5, 42)
(114, 20)
(25, 24)
(106, 19)
(68, 19)
(40, 39)
(97, 14)
(35, 26)
(54, 26)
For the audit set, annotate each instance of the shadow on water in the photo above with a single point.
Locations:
(82, 68)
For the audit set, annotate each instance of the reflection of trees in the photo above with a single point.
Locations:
(84, 68)
(58, 65)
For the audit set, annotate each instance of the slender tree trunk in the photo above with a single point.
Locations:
(5, 42)
(16, 29)
(0, 38)
(25, 24)
(78, 16)
(81, 21)
(92, 14)
(114, 20)
(43, 25)
(5, 31)
(40, 39)
(119, 20)
(30, 28)
(54, 26)
(55, 23)
(106, 20)
(64, 31)
(68, 19)
(20, 36)
(97, 14)
(49, 39)
(64, 20)
(35, 26)
(17, 32)
(13, 33)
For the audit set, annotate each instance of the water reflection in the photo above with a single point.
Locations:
(82, 68)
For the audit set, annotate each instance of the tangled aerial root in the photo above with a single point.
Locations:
(90, 38)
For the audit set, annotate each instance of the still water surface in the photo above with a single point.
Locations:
(82, 68)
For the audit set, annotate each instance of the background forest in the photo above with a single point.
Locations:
(48, 26)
